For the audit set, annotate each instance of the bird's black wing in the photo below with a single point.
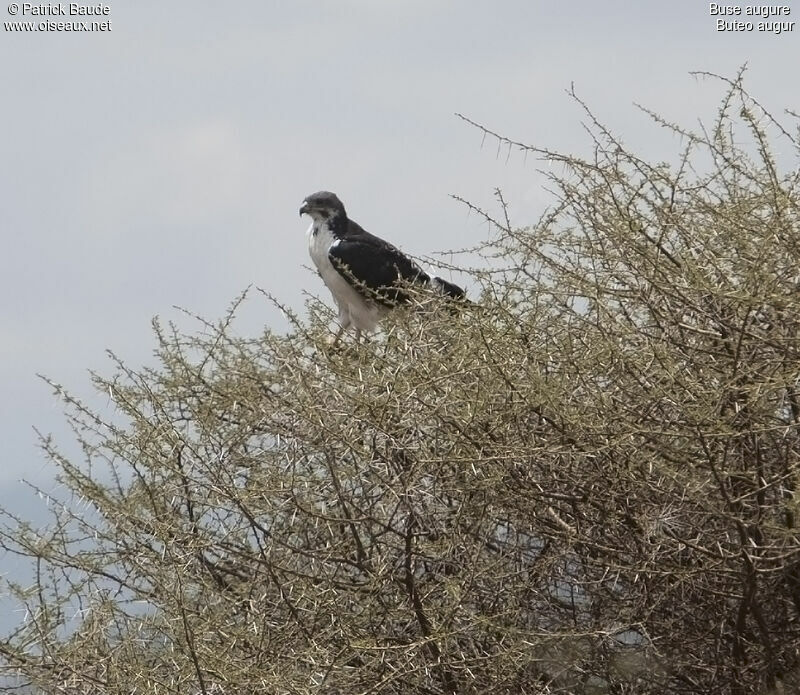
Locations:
(374, 267)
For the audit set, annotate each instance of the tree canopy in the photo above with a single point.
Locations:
(584, 482)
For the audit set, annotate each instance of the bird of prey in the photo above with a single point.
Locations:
(361, 270)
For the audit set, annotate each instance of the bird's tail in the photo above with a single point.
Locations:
(448, 289)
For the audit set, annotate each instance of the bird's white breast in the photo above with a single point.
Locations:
(353, 308)
(320, 241)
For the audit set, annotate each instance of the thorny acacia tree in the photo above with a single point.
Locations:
(583, 483)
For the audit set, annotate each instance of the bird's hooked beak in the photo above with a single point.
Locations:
(305, 208)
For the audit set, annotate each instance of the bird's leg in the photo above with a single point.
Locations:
(358, 335)
(338, 335)
(344, 324)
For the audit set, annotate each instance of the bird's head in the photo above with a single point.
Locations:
(322, 206)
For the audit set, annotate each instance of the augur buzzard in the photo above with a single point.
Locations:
(362, 271)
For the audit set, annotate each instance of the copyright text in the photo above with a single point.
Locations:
(58, 9)
(47, 17)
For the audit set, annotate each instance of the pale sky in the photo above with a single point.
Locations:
(163, 162)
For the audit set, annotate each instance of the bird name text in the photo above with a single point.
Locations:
(749, 10)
